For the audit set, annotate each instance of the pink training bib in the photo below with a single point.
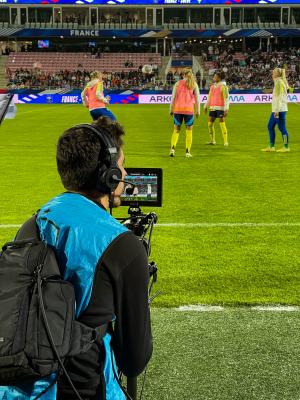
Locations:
(184, 100)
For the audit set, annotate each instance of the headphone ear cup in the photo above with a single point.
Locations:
(112, 174)
(105, 182)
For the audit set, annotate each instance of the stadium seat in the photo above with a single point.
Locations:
(54, 62)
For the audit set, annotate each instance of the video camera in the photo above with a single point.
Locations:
(143, 188)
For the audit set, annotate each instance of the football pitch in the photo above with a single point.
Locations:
(228, 235)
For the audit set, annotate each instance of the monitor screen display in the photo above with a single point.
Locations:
(147, 188)
(43, 44)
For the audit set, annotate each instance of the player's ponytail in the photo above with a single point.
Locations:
(190, 79)
(280, 72)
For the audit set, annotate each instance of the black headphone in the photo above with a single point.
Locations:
(108, 174)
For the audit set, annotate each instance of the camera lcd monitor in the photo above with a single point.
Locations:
(147, 187)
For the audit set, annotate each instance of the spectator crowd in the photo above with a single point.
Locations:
(252, 69)
(244, 70)
(37, 79)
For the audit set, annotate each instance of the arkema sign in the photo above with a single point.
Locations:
(234, 98)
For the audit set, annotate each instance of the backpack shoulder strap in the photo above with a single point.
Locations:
(29, 229)
(28, 233)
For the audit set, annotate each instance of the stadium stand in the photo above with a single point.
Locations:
(52, 62)
(72, 70)
(244, 70)
(251, 70)
(76, 79)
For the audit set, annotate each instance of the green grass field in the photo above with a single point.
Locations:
(237, 354)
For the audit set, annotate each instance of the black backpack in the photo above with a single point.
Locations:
(38, 330)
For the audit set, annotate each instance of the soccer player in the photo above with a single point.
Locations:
(185, 102)
(279, 110)
(93, 98)
(218, 105)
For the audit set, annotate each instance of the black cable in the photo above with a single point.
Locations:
(150, 234)
(144, 381)
(41, 301)
(150, 226)
(154, 296)
(150, 288)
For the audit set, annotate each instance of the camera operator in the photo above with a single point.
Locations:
(105, 262)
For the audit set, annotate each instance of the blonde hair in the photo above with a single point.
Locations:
(280, 72)
(95, 74)
(190, 79)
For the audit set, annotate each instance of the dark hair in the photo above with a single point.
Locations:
(78, 152)
(220, 74)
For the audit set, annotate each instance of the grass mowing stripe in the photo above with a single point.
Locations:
(261, 308)
(227, 224)
(237, 354)
(205, 225)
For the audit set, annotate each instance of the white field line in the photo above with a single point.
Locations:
(207, 225)
(210, 308)
(200, 308)
(276, 308)
(7, 226)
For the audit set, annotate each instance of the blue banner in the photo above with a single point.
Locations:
(70, 99)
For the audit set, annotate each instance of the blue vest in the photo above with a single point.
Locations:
(79, 231)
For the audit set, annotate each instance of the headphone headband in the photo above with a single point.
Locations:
(108, 171)
(104, 137)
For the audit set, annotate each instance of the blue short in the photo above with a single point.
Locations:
(102, 112)
(217, 114)
(187, 118)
